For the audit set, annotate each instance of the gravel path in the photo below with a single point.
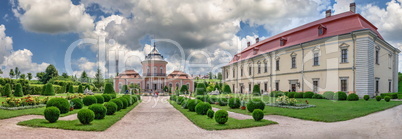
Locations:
(156, 118)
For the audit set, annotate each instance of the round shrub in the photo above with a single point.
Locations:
(258, 115)
(340, 96)
(291, 94)
(106, 97)
(308, 95)
(118, 102)
(299, 95)
(173, 97)
(387, 98)
(134, 98)
(111, 108)
(318, 96)
(223, 101)
(129, 99)
(234, 103)
(184, 104)
(378, 98)
(212, 99)
(60, 103)
(124, 101)
(255, 104)
(328, 95)
(192, 103)
(78, 104)
(89, 100)
(353, 97)
(202, 108)
(86, 116)
(99, 99)
(366, 97)
(113, 96)
(221, 116)
(52, 114)
(210, 113)
(99, 110)
(179, 100)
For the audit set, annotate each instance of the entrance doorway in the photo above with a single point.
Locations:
(155, 86)
(293, 89)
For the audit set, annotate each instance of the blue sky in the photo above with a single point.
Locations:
(134, 33)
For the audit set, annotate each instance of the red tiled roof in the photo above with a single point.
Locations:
(336, 25)
(179, 75)
(128, 74)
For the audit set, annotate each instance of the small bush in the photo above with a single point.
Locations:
(328, 95)
(60, 103)
(299, 95)
(99, 110)
(52, 114)
(291, 94)
(318, 96)
(340, 96)
(203, 98)
(111, 108)
(89, 100)
(366, 97)
(99, 99)
(308, 95)
(223, 101)
(135, 99)
(173, 97)
(234, 103)
(180, 100)
(192, 103)
(399, 96)
(387, 98)
(255, 104)
(202, 108)
(378, 98)
(118, 103)
(221, 116)
(109, 89)
(210, 113)
(18, 90)
(86, 116)
(125, 102)
(276, 93)
(78, 104)
(391, 95)
(49, 90)
(184, 104)
(106, 97)
(353, 97)
(7, 90)
(212, 99)
(258, 115)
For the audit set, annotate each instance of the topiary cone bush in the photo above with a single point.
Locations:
(353, 97)
(49, 90)
(202, 108)
(328, 95)
(99, 110)
(109, 89)
(86, 116)
(387, 98)
(340, 96)
(366, 97)
(80, 89)
(118, 103)
(308, 95)
(89, 100)
(221, 116)
(99, 99)
(7, 90)
(192, 103)
(106, 97)
(124, 101)
(234, 103)
(255, 104)
(256, 90)
(226, 89)
(111, 108)
(71, 89)
(378, 98)
(200, 89)
(210, 113)
(223, 101)
(52, 114)
(78, 104)
(60, 103)
(258, 115)
(18, 90)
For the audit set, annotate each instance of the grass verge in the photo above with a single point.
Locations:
(96, 125)
(204, 122)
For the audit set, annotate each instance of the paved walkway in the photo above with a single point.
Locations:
(156, 118)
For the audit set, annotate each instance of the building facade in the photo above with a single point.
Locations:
(154, 77)
(343, 52)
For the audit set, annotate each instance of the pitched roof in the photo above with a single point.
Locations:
(128, 74)
(176, 74)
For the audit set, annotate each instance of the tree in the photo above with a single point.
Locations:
(22, 76)
(226, 89)
(70, 88)
(40, 75)
(84, 76)
(256, 90)
(219, 75)
(184, 89)
(7, 90)
(49, 90)
(65, 75)
(29, 76)
(12, 74)
(98, 78)
(109, 89)
(80, 89)
(18, 91)
(50, 72)
(201, 89)
(17, 72)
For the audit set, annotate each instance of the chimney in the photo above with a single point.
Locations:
(257, 40)
(353, 7)
(248, 44)
(328, 13)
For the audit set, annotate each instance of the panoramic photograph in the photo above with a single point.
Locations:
(249, 69)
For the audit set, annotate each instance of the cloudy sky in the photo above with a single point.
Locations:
(196, 36)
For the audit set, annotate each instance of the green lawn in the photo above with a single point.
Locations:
(326, 110)
(96, 125)
(204, 122)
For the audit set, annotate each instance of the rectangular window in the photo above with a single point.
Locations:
(316, 59)
(265, 67)
(344, 85)
(241, 71)
(315, 86)
(377, 86)
(265, 86)
(277, 86)
(233, 88)
(293, 62)
(234, 73)
(259, 68)
(249, 70)
(344, 56)
(377, 53)
(389, 86)
(277, 64)
(249, 87)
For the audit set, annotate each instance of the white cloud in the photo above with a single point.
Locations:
(55, 16)
(341, 6)
(6, 44)
(23, 60)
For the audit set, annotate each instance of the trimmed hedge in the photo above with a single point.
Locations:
(258, 115)
(308, 95)
(78, 104)
(111, 108)
(353, 97)
(106, 97)
(221, 116)
(255, 104)
(391, 95)
(202, 108)
(223, 101)
(340, 96)
(387, 98)
(99, 110)
(328, 95)
(378, 98)
(291, 94)
(85, 116)
(99, 99)
(318, 96)
(60, 103)
(52, 114)
(89, 100)
(299, 95)
(118, 102)
(234, 103)
(192, 103)
(204, 98)
(210, 113)
(366, 97)
(276, 93)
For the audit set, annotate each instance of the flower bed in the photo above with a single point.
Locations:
(296, 106)
(23, 107)
(23, 102)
